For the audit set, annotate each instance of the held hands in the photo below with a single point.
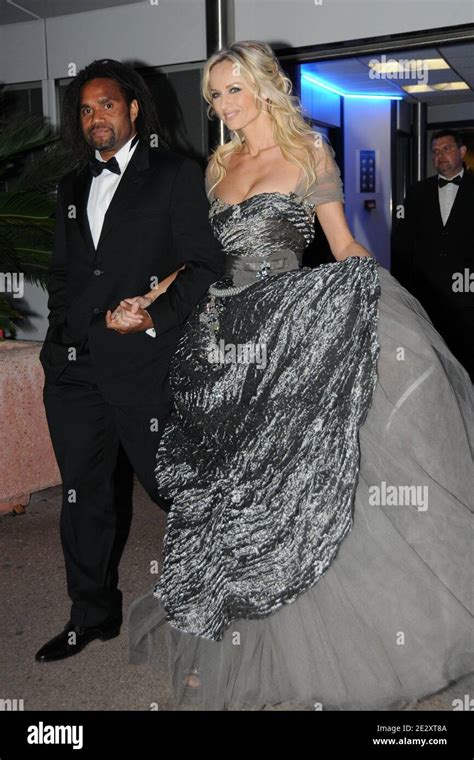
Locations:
(130, 316)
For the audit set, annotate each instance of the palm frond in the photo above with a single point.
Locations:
(28, 254)
(31, 161)
(45, 170)
(26, 208)
(22, 134)
(7, 314)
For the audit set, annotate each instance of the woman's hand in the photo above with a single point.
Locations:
(136, 302)
(124, 321)
(130, 315)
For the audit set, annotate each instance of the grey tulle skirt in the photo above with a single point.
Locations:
(390, 621)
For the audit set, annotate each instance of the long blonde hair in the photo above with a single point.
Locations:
(260, 69)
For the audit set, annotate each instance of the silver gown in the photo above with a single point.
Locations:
(319, 458)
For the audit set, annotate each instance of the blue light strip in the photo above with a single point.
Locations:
(324, 86)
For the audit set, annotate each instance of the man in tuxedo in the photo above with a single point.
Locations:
(130, 216)
(434, 245)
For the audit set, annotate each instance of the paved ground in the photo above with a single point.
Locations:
(34, 606)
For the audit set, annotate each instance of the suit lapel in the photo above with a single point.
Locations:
(127, 190)
(81, 194)
(461, 196)
(133, 177)
(435, 202)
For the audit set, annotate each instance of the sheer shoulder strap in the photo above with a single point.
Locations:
(209, 179)
(328, 184)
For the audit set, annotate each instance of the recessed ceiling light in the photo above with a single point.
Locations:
(412, 88)
(450, 86)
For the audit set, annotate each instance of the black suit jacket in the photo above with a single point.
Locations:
(426, 254)
(156, 221)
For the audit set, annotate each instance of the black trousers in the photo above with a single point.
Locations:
(97, 447)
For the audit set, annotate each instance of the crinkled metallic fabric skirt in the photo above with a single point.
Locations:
(389, 621)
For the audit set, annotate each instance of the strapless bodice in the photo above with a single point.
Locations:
(262, 235)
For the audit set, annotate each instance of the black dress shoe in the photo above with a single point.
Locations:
(75, 637)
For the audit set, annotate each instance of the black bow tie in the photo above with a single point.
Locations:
(456, 181)
(97, 166)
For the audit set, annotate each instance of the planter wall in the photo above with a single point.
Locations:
(27, 461)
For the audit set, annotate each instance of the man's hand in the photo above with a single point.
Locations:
(128, 318)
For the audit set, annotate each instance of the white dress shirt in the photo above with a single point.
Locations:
(102, 191)
(103, 188)
(446, 196)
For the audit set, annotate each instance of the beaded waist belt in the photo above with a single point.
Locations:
(247, 270)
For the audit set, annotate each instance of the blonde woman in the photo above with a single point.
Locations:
(318, 457)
